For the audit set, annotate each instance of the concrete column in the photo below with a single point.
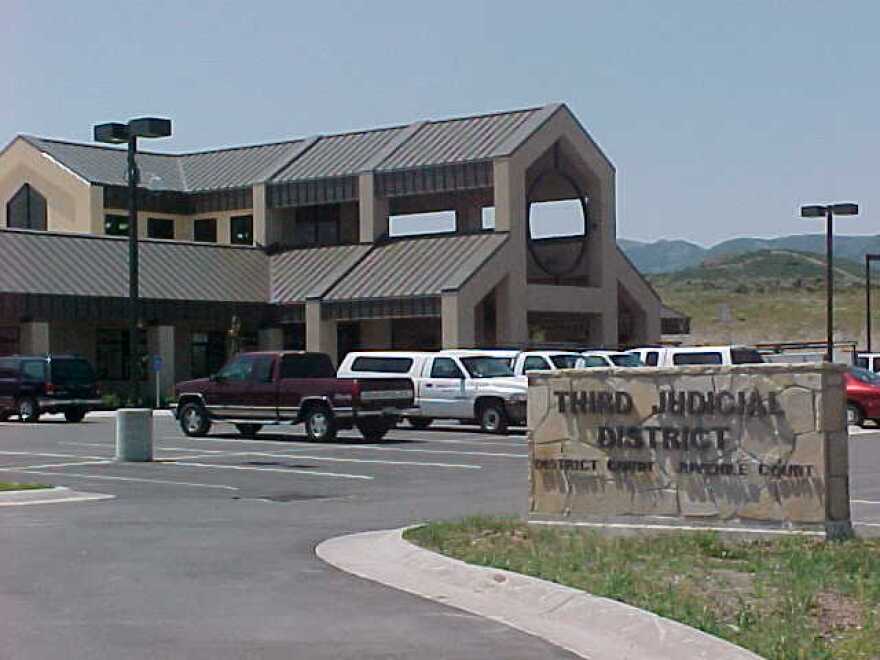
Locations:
(468, 218)
(161, 342)
(373, 210)
(34, 338)
(457, 321)
(261, 233)
(96, 217)
(376, 334)
(320, 333)
(510, 216)
(271, 339)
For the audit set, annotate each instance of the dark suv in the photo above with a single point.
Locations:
(32, 385)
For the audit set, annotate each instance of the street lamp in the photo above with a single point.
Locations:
(116, 133)
(829, 211)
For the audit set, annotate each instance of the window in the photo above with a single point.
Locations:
(205, 230)
(487, 367)
(861, 362)
(112, 353)
(239, 369)
(8, 369)
(590, 361)
(116, 225)
(307, 365)
(160, 228)
(389, 365)
(876, 365)
(8, 341)
(317, 225)
(745, 356)
(651, 358)
(445, 368)
(33, 370)
(72, 371)
(697, 358)
(26, 209)
(564, 361)
(241, 230)
(208, 353)
(413, 224)
(627, 360)
(263, 368)
(535, 363)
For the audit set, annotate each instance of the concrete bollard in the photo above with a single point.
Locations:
(134, 434)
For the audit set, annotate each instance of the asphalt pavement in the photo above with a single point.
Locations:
(209, 551)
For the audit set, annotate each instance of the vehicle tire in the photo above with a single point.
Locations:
(420, 423)
(854, 415)
(74, 415)
(320, 425)
(4, 416)
(248, 430)
(28, 410)
(194, 420)
(374, 430)
(492, 418)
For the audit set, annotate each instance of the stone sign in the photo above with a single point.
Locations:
(759, 446)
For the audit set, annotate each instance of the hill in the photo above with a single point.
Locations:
(772, 295)
(666, 256)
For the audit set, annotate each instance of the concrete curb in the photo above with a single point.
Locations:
(55, 495)
(586, 625)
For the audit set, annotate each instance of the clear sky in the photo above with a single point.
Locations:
(720, 117)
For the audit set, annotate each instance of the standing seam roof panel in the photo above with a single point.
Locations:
(456, 140)
(300, 273)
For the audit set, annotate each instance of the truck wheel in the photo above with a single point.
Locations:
(374, 430)
(320, 425)
(74, 415)
(420, 423)
(854, 416)
(194, 420)
(248, 430)
(28, 410)
(492, 418)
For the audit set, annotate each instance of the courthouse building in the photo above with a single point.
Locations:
(297, 241)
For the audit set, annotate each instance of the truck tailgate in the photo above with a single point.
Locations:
(381, 393)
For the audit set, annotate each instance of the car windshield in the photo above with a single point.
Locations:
(627, 360)
(564, 361)
(72, 372)
(487, 367)
(865, 376)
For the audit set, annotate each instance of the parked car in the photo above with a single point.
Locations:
(284, 387)
(862, 396)
(470, 385)
(382, 364)
(609, 359)
(544, 361)
(31, 385)
(677, 356)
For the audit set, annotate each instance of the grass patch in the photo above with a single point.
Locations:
(788, 598)
(12, 485)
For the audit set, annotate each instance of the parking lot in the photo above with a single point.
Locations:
(209, 551)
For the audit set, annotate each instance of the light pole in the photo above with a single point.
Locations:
(116, 133)
(829, 211)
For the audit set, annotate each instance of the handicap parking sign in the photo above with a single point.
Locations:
(156, 363)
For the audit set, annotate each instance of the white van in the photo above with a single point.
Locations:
(381, 364)
(679, 356)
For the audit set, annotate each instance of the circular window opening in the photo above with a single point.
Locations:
(557, 223)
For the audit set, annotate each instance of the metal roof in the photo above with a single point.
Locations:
(68, 264)
(301, 273)
(338, 155)
(421, 144)
(417, 266)
(457, 140)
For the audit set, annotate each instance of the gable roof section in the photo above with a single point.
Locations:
(83, 265)
(417, 267)
(421, 144)
(302, 273)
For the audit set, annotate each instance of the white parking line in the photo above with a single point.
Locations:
(335, 459)
(107, 477)
(864, 502)
(436, 451)
(313, 473)
(156, 447)
(51, 465)
(43, 453)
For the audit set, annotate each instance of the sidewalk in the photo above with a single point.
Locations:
(586, 625)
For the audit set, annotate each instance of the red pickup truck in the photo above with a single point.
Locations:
(257, 389)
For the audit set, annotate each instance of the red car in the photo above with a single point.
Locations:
(862, 396)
